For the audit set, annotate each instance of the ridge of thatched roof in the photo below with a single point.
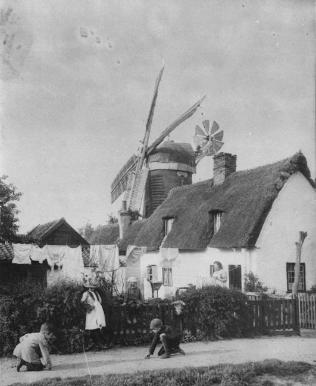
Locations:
(245, 198)
(41, 231)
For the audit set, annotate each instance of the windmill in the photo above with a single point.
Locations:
(208, 141)
(133, 176)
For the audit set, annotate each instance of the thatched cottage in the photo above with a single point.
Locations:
(248, 220)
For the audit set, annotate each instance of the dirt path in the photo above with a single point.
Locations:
(131, 359)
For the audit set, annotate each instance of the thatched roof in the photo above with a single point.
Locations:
(245, 198)
(131, 234)
(42, 231)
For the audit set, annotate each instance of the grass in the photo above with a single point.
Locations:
(265, 373)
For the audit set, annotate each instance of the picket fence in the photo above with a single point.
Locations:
(307, 310)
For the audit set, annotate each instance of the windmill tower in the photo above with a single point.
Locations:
(137, 180)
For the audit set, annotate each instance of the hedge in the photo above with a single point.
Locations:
(208, 313)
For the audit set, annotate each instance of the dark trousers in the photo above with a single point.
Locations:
(30, 366)
(170, 345)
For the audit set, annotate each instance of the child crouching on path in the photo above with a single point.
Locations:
(32, 351)
(168, 336)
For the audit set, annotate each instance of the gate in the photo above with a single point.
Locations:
(274, 315)
(307, 310)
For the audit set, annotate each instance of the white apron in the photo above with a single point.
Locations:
(94, 318)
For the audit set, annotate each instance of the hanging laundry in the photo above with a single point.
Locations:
(168, 256)
(22, 253)
(39, 254)
(105, 257)
(73, 263)
(55, 255)
(6, 252)
(133, 253)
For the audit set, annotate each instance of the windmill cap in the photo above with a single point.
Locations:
(155, 323)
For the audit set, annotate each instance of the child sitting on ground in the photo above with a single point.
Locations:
(32, 351)
(168, 336)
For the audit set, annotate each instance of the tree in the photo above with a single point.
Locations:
(86, 231)
(8, 210)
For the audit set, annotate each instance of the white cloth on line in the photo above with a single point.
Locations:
(22, 253)
(38, 254)
(55, 254)
(73, 263)
(105, 257)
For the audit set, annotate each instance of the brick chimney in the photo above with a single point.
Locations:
(224, 165)
(124, 220)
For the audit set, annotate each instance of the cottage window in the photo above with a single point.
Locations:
(215, 218)
(290, 275)
(234, 272)
(152, 273)
(212, 270)
(167, 277)
(168, 222)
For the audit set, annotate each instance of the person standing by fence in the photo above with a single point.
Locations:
(133, 299)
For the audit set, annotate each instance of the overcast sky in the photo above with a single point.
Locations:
(77, 79)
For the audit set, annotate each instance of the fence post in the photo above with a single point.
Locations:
(296, 326)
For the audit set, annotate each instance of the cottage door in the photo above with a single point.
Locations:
(234, 277)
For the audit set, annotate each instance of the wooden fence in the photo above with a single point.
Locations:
(274, 315)
(307, 310)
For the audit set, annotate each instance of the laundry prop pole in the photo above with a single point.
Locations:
(299, 246)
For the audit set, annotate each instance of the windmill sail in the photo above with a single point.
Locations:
(138, 192)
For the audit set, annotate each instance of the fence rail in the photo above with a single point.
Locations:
(274, 315)
(307, 310)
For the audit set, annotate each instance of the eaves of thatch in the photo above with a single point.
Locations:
(245, 198)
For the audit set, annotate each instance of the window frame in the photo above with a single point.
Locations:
(215, 221)
(167, 225)
(302, 280)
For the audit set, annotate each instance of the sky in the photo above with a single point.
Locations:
(77, 79)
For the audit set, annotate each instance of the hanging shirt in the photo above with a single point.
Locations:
(22, 253)
(38, 254)
(73, 263)
(55, 255)
(105, 257)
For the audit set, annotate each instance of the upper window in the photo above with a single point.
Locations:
(168, 222)
(215, 221)
(290, 275)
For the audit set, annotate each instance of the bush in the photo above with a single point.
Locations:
(209, 313)
(213, 312)
(253, 284)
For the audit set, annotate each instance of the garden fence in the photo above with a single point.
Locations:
(307, 310)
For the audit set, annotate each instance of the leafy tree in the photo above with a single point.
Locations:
(8, 210)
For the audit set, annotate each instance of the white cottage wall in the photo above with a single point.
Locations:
(193, 267)
(294, 210)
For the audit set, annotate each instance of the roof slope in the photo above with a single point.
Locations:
(42, 231)
(245, 198)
